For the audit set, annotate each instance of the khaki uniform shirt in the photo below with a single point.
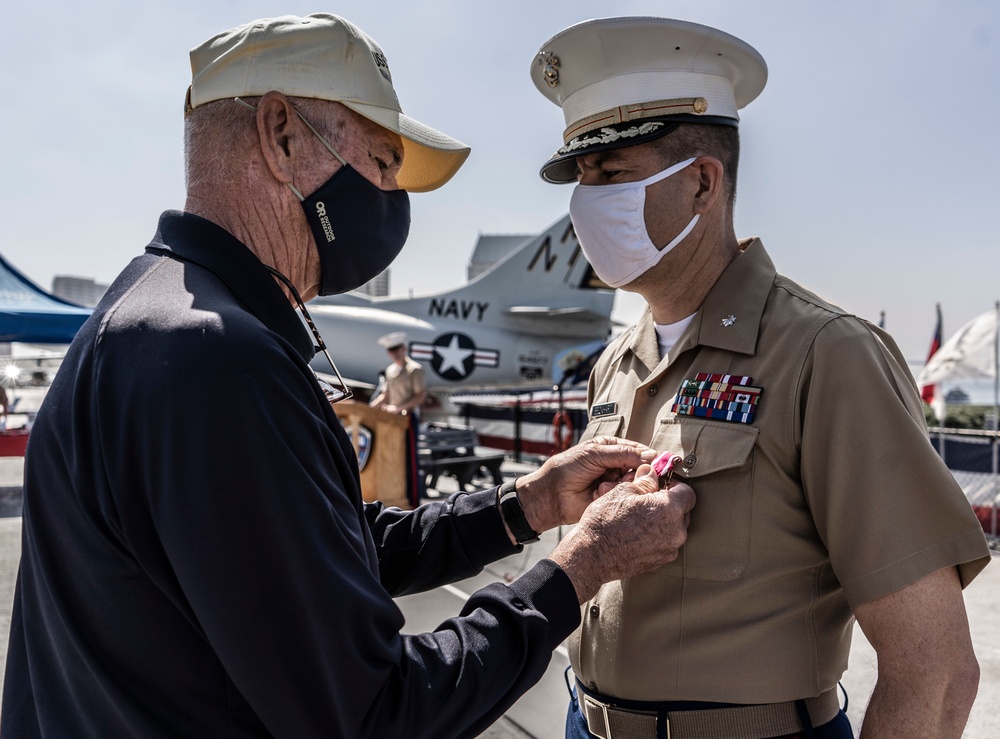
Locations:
(403, 383)
(830, 497)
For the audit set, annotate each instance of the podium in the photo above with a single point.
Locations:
(379, 440)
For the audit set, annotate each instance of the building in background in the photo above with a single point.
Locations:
(80, 290)
(377, 287)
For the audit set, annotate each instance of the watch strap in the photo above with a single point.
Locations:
(513, 514)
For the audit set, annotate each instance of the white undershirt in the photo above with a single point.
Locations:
(668, 333)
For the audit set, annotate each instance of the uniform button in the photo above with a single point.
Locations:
(518, 604)
(595, 611)
(651, 390)
(592, 686)
(691, 461)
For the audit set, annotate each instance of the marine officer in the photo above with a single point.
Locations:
(820, 499)
(405, 387)
(403, 392)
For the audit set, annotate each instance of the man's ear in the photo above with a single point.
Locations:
(277, 134)
(710, 183)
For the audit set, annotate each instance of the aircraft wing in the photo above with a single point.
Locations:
(563, 314)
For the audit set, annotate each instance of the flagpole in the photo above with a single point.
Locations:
(996, 367)
(996, 414)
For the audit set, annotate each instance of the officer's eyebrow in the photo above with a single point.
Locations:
(602, 159)
(609, 156)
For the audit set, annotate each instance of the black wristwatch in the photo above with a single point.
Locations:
(513, 514)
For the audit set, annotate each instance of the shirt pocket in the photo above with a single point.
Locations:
(718, 464)
(604, 426)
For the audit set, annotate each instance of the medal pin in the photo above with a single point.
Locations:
(664, 465)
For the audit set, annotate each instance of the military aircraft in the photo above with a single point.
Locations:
(524, 322)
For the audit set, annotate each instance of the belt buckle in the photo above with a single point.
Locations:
(607, 718)
(604, 712)
(607, 722)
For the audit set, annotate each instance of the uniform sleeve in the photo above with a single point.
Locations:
(262, 545)
(419, 380)
(887, 508)
(437, 543)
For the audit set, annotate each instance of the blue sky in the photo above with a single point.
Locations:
(869, 166)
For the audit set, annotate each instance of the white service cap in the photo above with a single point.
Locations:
(390, 341)
(625, 81)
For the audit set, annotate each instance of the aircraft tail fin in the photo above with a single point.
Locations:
(544, 283)
(552, 259)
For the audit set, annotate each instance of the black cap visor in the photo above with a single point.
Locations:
(561, 168)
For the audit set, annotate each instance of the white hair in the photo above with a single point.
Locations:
(219, 136)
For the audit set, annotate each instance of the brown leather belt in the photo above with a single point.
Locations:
(608, 721)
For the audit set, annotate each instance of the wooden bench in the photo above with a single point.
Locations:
(452, 451)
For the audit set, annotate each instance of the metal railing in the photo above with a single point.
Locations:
(974, 459)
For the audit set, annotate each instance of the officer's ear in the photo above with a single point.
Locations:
(279, 135)
(711, 183)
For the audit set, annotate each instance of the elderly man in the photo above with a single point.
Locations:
(820, 499)
(197, 558)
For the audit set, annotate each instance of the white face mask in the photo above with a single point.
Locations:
(610, 222)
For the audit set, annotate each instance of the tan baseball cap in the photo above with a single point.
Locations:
(325, 57)
(625, 81)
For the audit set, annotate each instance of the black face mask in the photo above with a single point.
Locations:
(359, 229)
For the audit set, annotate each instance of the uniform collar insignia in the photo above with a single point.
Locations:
(742, 290)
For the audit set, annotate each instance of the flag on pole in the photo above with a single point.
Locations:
(930, 393)
(881, 320)
(967, 354)
(927, 391)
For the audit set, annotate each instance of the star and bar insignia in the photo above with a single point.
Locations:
(722, 397)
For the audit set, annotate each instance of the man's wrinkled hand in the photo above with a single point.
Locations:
(562, 488)
(634, 528)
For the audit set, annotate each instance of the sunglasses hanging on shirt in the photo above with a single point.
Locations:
(333, 393)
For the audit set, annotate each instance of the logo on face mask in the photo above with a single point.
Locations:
(371, 228)
(324, 220)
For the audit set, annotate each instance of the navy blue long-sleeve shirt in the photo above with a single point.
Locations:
(197, 559)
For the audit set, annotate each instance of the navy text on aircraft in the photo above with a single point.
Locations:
(520, 323)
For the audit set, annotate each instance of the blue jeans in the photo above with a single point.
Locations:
(576, 725)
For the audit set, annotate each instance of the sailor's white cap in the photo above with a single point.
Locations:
(625, 81)
(326, 57)
(391, 341)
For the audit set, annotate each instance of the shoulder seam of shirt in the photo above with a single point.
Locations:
(796, 290)
(109, 314)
